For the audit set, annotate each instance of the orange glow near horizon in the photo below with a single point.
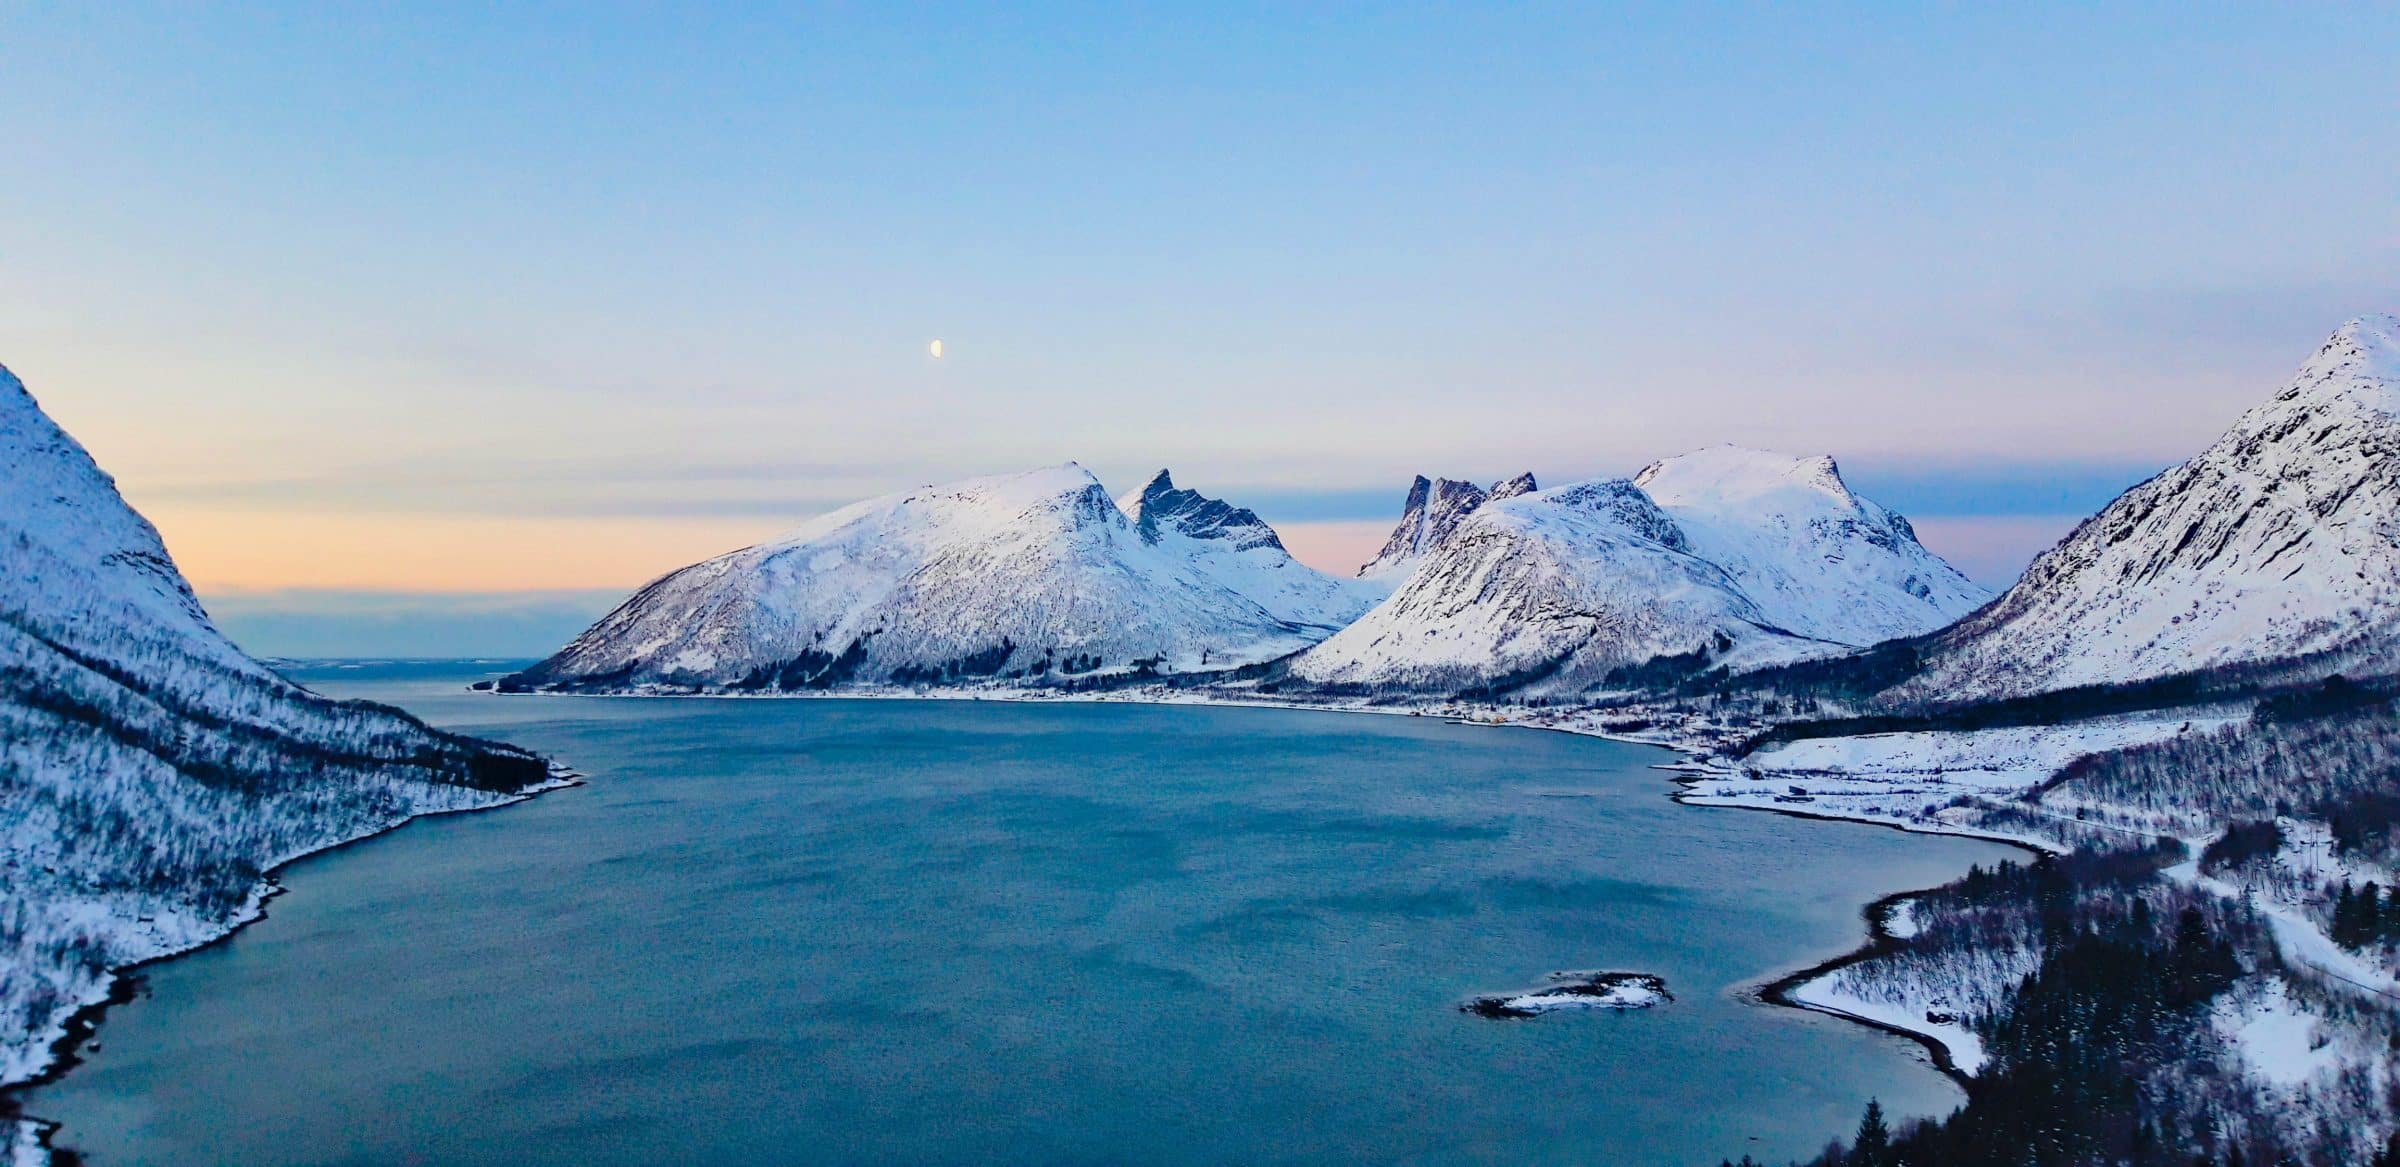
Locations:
(260, 550)
(251, 550)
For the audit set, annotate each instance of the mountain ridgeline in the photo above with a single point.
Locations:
(2268, 562)
(1035, 580)
(2272, 557)
(150, 773)
(1032, 578)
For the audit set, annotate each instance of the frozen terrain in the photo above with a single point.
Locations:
(1722, 558)
(1033, 578)
(1816, 559)
(1427, 516)
(150, 774)
(2277, 548)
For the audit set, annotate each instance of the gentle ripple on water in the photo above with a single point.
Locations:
(968, 932)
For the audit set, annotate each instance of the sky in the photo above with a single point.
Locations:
(434, 331)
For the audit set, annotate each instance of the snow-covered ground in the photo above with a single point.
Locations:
(1577, 990)
(1939, 781)
(1909, 1014)
(2280, 1040)
(2298, 937)
(151, 775)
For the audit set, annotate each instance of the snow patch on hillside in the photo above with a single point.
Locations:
(2280, 1041)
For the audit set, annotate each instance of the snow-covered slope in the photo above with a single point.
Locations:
(1028, 578)
(149, 771)
(1556, 588)
(1721, 557)
(1432, 509)
(2280, 541)
(1818, 560)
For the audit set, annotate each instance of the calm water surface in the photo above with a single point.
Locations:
(941, 932)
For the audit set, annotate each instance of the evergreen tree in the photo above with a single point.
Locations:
(1873, 1146)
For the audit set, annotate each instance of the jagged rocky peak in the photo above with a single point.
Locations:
(1432, 509)
(2276, 550)
(1159, 506)
(1512, 487)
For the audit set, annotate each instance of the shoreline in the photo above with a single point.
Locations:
(1784, 990)
(1781, 992)
(123, 983)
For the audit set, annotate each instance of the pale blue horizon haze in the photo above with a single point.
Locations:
(375, 308)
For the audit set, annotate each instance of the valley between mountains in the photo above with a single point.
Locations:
(2187, 707)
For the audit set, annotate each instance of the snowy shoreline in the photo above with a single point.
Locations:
(58, 1050)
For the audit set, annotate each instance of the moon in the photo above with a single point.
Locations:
(934, 350)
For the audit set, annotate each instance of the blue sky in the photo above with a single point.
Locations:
(363, 301)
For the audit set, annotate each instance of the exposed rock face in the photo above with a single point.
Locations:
(1432, 510)
(1160, 507)
(2278, 545)
(1026, 578)
(149, 771)
(1512, 487)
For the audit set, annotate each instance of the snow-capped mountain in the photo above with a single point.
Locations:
(1818, 560)
(150, 773)
(1233, 546)
(2279, 542)
(1721, 557)
(1432, 509)
(1028, 578)
(1558, 588)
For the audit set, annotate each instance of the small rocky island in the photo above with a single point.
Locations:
(1575, 990)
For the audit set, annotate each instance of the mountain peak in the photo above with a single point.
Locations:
(2371, 341)
(1161, 507)
(1512, 487)
(2359, 364)
(1432, 509)
(2269, 550)
(53, 491)
(1732, 473)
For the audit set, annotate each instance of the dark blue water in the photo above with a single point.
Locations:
(923, 932)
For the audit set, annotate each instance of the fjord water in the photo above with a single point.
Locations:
(850, 931)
